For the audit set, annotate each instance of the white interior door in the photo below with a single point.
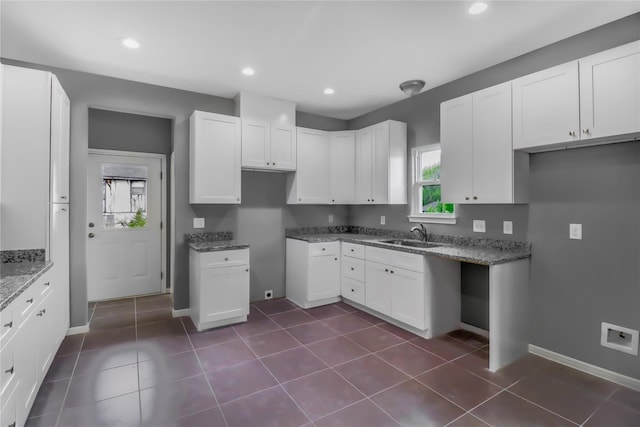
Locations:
(124, 230)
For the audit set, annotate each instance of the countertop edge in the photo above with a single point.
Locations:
(30, 281)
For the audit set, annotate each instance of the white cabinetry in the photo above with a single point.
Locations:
(33, 327)
(594, 97)
(268, 146)
(214, 158)
(311, 182)
(343, 178)
(353, 272)
(312, 273)
(218, 287)
(478, 161)
(60, 122)
(381, 163)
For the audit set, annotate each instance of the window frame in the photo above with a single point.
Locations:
(416, 191)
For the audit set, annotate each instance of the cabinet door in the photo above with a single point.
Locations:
(546, 107)
(26, 365)
(59, 254)
(255, 144)
(343, 161)
(378, 287)
(610, 92)
(312, 173)
(224, 293)
(380, 164)
(215, 154)
(60, 114)
(283, 147)
(492, 149)
(364, 158)
(456, 134)
(48, 320)
(407, 297)
(324, 277)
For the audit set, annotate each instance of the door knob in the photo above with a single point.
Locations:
(91, 235)
(91, 225)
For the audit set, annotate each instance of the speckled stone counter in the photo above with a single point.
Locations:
(459, 248)
(213, 241)
(15, 277)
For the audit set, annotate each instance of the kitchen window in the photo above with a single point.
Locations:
(426, 203)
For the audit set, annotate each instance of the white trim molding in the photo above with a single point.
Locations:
(184, 312)
(77, 330)
(474, 329)
(596, 371)
(433, 220)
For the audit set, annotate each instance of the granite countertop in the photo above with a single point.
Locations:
(15, 277)
(211, 241)
(459, 248)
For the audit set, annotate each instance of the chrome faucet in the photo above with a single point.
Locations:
(422, 231)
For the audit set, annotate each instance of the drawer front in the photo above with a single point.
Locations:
(353, 250)
(7, 370)
(409, 261)
(7, 325)
(26, 303)
(353, 290)
(324, 248)
(379, 255)
(224, 258)
(353, 268)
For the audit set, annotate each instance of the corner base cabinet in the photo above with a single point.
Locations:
(313, 273)
(218, 287)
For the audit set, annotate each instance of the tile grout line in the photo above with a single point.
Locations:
(601, 405)
(66, 393)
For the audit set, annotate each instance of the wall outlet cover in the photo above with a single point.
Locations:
(198, 222)
(507, 227)
(383, 220)
(330, 219)
(479, 226)
(575, 231)
(619, 338)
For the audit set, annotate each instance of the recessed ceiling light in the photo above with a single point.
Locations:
(329, 91)
(478, 7)
(248, 71)
(130, 43)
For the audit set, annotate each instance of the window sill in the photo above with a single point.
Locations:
(433, 219)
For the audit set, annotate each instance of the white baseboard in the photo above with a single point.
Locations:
(586, 367)
(180, 313)
(75, 330)
(474, 329)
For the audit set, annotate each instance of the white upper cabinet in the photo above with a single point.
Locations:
(60, 115)
(610, 92)
(342, 174)
(546, 108)
(478, 161)
(593, 98)
(268, 146)
(311, 184)
(381, 164)
(214, 158)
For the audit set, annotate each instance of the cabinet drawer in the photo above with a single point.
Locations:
(224, 258)
(353, 268)
(26, 303)
(7, 325)
(413, 262)
(353, 290)
(353, 250)
(325, 248)
(8, 413)
(379, 255)
(7, 370)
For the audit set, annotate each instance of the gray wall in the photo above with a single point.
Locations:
(574, 285)
(112, 130)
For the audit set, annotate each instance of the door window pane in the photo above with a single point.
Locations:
(124, 196)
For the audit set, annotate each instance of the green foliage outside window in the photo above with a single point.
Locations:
(431, 196)
(138, 221)
(431, 173)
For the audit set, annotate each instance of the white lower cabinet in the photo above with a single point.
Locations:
(378, 288)
(218, 287)
(313, 273)
(34, 325)
(353, 272)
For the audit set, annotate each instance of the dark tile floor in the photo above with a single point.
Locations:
(327, 366)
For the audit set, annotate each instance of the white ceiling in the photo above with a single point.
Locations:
(364, 50)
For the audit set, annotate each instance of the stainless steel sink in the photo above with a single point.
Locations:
(411, 243)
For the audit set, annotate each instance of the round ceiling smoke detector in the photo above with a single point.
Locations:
(412, 87)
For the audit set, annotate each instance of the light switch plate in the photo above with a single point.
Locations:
(507, 227)
(383, 220)
(330, 219)
(479, 226)
(198, 222)
(575, 231)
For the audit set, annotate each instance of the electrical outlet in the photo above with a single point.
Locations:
(198, 222)
(383, 220)
(330, 219)
(479, 226)
(575, 231)
(268, 294)
(507, 227)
